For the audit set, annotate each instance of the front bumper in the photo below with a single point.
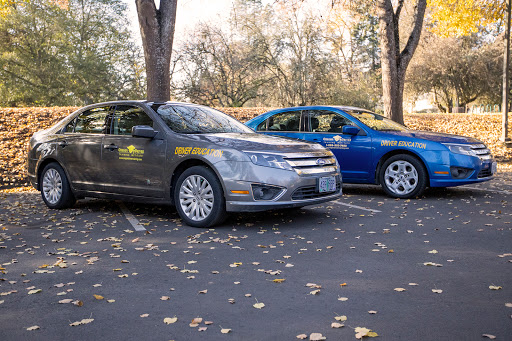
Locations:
(479, 171)
(256, 206)
(297, 190)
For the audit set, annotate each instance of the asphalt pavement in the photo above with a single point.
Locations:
(434, 268)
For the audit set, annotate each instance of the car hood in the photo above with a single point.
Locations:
(258, 142)
(435, 137)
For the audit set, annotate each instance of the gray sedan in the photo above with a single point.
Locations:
(194, 157)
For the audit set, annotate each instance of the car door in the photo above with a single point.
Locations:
(285, 124)
(79, 148)
(132, 165)
(353, 152)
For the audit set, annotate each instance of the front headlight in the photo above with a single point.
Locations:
(269, 160)
(464, 149)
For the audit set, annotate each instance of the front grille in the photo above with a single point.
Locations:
(482, 151)
(484, 173)
(311, 192)
(312, 163)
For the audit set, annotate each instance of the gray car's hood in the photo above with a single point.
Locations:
(435, 137)
(258, 142)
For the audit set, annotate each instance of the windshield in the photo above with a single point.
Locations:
(195, 119)
(376, 122)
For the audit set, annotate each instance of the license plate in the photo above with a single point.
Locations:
(494, 167)
(327, 184)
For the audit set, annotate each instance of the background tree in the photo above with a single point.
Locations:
(457, 71)
(394, 58)
(220, 69)
(67, 53)
(157, 32)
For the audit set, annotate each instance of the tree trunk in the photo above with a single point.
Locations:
(394, 62)
(157, 31)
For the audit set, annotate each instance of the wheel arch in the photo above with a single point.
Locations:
(186, 164)
(396, 152)
(41, 166)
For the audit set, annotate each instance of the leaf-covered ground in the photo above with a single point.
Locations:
(18, 124)
(436, 268)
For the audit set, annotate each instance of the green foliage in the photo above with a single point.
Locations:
(457, 71)
(67, 55)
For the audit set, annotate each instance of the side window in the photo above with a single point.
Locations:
(327, 121)
(127, 116)
(262, 126)
(93, 121)
(285, 121)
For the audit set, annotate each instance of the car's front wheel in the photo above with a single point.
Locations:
(403, 176)
(55, 188)
(199, 198)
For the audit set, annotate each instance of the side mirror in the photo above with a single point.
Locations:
(350, 130)
(144, 131)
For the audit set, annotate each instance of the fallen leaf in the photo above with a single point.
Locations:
(492, 287)
(492, 337)
(399, 289)
(167, 320)
(111, 301)
(508, 305)
(203, 291)
(341, 318)
(197, 320)
(433, 251)
(98, 297)
(78, 303)
(343, 299)
(225, 330)
(316, 337)
(361, 332)
(279, 280)
(302, 336)
(84, 321)
(68, 300)
(165, 298)
(202, 329)
(258, 305)
(437, 291)
(337, 325)
(314, 292)
(37, 291)
(145, 315)
(372, 312)
(33, 328)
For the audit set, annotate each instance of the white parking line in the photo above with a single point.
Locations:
(130, 217)
(487, 190)
(358, 207)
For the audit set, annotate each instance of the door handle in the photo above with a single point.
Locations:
(110, 147)
(62, 144)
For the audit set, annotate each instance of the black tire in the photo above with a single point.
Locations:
(55, 188)
(403, 176)
(211, 198)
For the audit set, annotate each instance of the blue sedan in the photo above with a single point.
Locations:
(372, 149)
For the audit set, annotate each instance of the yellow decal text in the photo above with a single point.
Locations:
(198, 151)
(131, 153)
(410, 144)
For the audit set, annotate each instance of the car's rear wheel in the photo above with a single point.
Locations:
(199, 198)
(403, 176)
(55, 188)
